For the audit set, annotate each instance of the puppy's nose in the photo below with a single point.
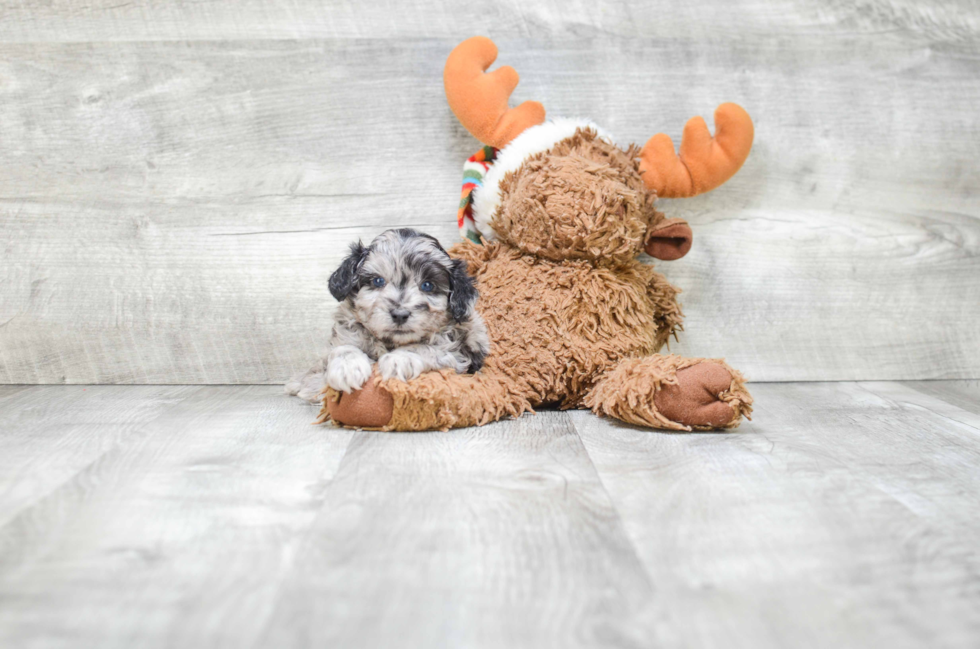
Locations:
(400, 316)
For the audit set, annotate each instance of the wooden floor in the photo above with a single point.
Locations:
(846, 514)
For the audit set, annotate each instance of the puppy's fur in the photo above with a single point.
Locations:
(405, 304)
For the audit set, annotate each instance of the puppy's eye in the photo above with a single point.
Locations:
(378, 282)
(427, 286)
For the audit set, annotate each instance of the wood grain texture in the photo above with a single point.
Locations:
(176, 534)
(843, 515)
(170, 211)
(51, 434)
(110, 20)
(962, 394)
(499, 536)
(156, 516)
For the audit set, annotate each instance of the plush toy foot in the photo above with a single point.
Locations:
(695, 399)
(672, 393)
(369, 407)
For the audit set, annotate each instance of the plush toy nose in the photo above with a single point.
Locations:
(670, 240)
(400, 316)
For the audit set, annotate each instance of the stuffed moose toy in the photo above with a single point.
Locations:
(555, 216)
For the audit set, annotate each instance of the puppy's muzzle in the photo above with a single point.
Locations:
(399, 316)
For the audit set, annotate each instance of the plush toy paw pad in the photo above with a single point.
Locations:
(369, 407)
(695, 399)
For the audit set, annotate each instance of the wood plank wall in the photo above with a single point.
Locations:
(178, 179)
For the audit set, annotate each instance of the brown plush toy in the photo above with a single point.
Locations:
(556, 221)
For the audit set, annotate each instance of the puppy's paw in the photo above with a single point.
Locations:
(400, 365)
(349, 372)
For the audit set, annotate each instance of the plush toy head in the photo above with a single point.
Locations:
(560, 189)
(583, 198)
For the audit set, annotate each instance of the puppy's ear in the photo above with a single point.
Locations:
(462, 293)
(344, 279)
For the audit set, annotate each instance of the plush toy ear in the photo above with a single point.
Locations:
(670, 239)
(462, 293)
(344, 279)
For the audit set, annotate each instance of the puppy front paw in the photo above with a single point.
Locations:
(348, 373)
(400, 365)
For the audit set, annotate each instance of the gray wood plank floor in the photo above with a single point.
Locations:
(845, 514)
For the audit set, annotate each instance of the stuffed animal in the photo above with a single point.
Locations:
(555, 215)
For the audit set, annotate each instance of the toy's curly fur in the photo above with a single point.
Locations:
(575, 320)
(582, 199)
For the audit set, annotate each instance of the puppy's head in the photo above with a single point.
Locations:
(404, 287)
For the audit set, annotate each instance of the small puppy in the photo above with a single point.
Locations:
(405, 304)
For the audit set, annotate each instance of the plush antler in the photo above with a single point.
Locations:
(704, 162)
(479, 100)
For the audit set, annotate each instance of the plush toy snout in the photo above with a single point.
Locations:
(669, 240)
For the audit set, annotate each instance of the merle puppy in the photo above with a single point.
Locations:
(405, 304)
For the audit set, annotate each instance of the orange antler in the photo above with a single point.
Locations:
(705, 162)
(480, 100)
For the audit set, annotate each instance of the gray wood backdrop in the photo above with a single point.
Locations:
(178, 179)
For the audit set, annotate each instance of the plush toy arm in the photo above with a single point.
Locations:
(434, 401)
(667, 315)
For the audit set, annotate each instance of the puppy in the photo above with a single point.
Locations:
(405, 304)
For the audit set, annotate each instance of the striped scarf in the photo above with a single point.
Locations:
(474, 169)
